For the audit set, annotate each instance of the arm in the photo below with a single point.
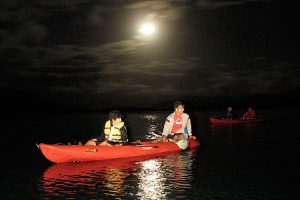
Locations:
(167, 127)
(189, 127)
(124, 137)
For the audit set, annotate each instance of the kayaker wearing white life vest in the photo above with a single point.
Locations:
(178, 126)
(115, 132)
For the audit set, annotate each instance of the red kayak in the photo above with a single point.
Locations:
(234, 121)
(71, 153)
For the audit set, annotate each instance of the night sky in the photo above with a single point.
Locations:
(90, 55)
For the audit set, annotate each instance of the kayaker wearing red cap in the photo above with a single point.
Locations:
(250, 114)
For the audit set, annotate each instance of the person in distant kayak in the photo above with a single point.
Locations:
(230, 114)
(115, 132)
(178, 126)
(250, 114)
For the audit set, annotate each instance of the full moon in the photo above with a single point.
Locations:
(147, 29)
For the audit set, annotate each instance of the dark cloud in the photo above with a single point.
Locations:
(86, 52)
(212, 4)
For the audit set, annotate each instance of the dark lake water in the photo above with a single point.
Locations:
(254, 161)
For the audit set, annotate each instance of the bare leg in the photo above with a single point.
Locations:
(91, 142)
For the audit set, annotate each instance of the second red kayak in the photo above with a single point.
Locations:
(234, 121)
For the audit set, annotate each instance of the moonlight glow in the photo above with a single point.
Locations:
(147, 29)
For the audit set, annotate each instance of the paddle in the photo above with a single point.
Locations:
(178, 139)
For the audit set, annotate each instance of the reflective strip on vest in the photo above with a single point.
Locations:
(113, 133)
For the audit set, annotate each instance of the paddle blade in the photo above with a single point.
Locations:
(183, 144)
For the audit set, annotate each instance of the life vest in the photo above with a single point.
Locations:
(113, 133)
